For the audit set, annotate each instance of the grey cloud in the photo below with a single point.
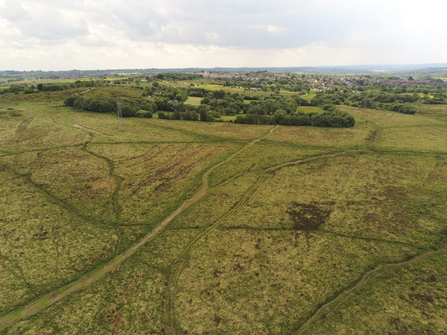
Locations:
(42, 21)
(234, 23)
(241, 23)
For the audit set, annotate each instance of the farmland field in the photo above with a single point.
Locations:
(149, 226)
(195, 101)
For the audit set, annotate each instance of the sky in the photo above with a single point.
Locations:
(128, 34)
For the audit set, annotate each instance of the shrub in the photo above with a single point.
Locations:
(144, 113)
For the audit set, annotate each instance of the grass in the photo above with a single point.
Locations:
(423, 132)
(155, 177)
(43, 245)
(258, 283)
(309, 109)
(425, 139)
(228, 118)
(433, 111)
(265, 269)
(415, 287)
(195, 101)
(302, 230)
(324, 137)
(309, 97)
(214, 87)
(214, 130)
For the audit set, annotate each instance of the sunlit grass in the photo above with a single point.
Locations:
(195, 101)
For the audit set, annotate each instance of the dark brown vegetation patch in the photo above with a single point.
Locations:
(307, 217)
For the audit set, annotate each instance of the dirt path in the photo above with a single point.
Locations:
(83, 92)
(91, 277)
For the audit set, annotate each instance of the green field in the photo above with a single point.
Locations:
(309, 109)
(309, 97)
(215, 87)
(195, 101)
(155, 226)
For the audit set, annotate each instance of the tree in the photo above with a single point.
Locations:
(144, 113)
(203, 115)
(79, 103)
(205, 101)
(220, 94)
(279, 115)
(127, 110)
(258, 110)
(69, 101)
(229, 111)
(191, 115)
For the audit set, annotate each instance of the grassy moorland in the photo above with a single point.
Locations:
(266, 229)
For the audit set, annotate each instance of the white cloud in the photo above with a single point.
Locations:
(275, 29)
(177, 33)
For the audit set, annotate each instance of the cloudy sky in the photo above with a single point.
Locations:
(106, 34)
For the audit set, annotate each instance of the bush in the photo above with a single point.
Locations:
(127, 110)
(79, 103)
(144, 113)
(191, 115)
(69, 101)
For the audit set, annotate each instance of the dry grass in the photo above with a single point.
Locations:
(301, 237)
(268, 281)
(127, 301)
(220, 130)
(156, 177)
(268, 245)
(424, 139)
(126, 130)
(405, 299)
(433, 111)
(388, 119)
(35, 129)
(323, 137)
(262, 155)
(42, 245)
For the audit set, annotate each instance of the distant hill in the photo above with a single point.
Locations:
(429, 69)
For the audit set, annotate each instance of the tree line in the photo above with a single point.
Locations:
(48, 87)
(331, 117)
(385, 101)
(273, 109)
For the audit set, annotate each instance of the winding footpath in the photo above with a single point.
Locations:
(327, 306)
(93, 276)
